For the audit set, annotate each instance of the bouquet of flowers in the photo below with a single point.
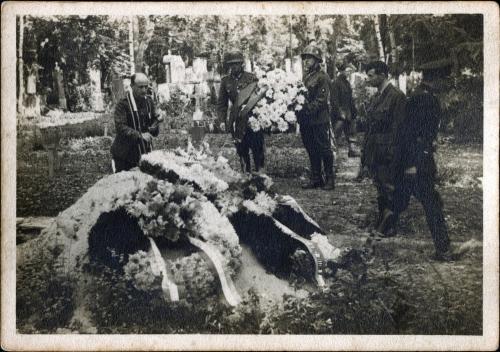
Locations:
(284, 97)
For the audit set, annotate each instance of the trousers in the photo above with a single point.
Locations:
(316, 139)
(254, 142)
(123, 165)
(348, 127)
(422, 187)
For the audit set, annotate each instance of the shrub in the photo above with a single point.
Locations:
(44, 295)
(462, 104)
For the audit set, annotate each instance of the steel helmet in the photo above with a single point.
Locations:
(233, 56)
(314, 51)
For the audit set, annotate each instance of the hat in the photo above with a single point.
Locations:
(313, 51)
(233, 57)
(436, 69)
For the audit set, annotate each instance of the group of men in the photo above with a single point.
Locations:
(397, 151)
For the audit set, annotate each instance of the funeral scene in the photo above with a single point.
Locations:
(249, 174)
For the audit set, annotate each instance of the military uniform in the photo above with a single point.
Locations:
(238, 127)
(419, 131)
(343, 110)
(385, 116)
(314, 120)
(128, 144)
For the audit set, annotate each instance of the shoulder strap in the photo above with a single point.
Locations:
(245, 94)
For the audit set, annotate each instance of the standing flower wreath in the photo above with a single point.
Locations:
(276, 112)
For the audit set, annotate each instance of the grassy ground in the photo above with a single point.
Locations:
(440, 298)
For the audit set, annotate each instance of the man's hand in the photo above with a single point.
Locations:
(222, 127)
(147, 137)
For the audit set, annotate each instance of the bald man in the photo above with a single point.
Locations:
(134, 131)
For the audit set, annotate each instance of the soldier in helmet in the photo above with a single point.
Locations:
(386, 113)
(418, 168)
(237, 88)
(314, 119)
(343, 109)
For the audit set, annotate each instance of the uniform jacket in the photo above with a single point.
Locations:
(385, 117)
(419, 130)
(342, 104)
(128, 140)
(316, 110)
(229, 90)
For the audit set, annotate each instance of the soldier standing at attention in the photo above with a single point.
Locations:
(343, 109)
(419, 131)
(238, 87)
(314, 120)
(385, 117)
(134, 130)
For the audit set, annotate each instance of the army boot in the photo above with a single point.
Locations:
(330, 184)
(316, 181)
(387, 224)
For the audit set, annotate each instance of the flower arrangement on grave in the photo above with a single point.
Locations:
(174, 228)
(178, 110)
(285, 96)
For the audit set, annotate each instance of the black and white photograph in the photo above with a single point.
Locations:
(313, 176)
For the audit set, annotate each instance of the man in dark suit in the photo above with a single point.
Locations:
(418, 168)
(136, 123)
(343, 109)
(380, 155)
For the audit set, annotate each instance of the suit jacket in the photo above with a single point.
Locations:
(342, 104)
(385, 118)
(419, 130)
(128, 140)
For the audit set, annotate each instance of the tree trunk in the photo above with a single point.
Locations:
(379, 38)
(143, 42)
(131, 44)
(392, 39)
(332, 48)
(21, 66)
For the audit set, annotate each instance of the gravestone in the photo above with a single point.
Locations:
(31, 99)
(248, 65)
(59, 83)
(163, 93)
(402, 82)
(200, 68)
(297, 66)
(96, 98)
(175, 69)
(288, 65)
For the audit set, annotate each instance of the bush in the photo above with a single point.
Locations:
(114, 300)
(462, 104)
(44, 298)
(178, 110)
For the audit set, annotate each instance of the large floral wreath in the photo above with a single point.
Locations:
(276, 112)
